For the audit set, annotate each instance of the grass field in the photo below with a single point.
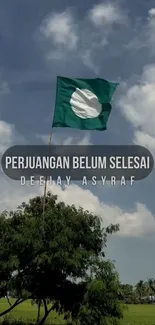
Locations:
(139, 315)
(28, 312)
(134, 315)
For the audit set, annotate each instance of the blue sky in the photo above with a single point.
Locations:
(111, 40)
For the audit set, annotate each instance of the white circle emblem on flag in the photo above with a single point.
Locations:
(85, 104)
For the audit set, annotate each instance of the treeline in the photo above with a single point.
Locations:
(142, 293)
(58, 261)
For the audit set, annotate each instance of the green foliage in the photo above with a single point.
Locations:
(141, 293)
(58, 258)
(101, 303)
(26, 313)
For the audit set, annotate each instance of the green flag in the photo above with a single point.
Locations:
(83, 103)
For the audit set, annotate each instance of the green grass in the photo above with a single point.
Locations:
(134, 315)
(28, 312)
(139, 315)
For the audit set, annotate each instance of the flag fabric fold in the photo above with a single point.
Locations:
(83, 104)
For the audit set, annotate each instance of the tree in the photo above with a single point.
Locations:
(101, 303)
(8, 262)
(127, 294)
(140, 289)
(151, 287)
(49, 254)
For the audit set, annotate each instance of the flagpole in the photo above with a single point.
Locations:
(46, 178)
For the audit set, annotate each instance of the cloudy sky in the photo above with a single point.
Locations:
(85, 39)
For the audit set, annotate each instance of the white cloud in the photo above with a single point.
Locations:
(57, 55)
(6, 136)
(138, 107)
(144, 139)
(85, 141)
(151, 12)
(69, 140)
(60, 27)
(106, 13)
(132, 223)
(151, 31)
(86, 57)
(137, 43)
(137, 223)
(63, 34)
(4, 86)
(9, 137)
(144, 33)
(13, 194)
